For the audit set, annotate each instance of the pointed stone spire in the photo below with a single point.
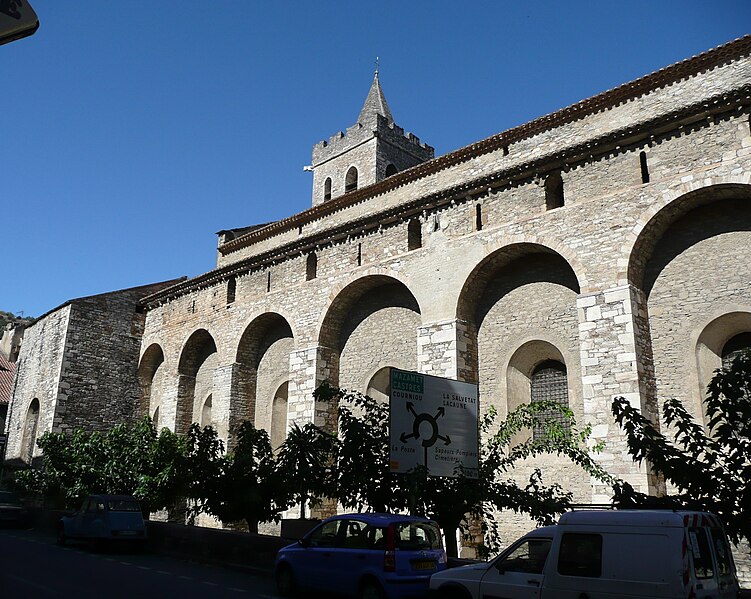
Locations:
(375, 103)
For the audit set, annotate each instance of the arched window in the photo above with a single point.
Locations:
(414, 234)
(553, 191)
(206, 412)
(549, 383)
(734, 347)
(311, 267)
(350, 181)
(327, 189)
(390, 170)
(30, 431)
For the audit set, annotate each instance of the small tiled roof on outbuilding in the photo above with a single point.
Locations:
(7, 376)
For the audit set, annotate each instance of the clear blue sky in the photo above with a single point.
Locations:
(133, 131)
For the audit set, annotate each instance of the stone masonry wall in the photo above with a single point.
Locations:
(37, 377)
(99, 385)
(618, 333)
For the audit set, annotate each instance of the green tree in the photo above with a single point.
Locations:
(247, 485)
(304, 461)
(361, 478)
(127, 459)
(456, 502)
(709, 467)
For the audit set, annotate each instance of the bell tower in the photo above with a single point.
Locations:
(367, 152)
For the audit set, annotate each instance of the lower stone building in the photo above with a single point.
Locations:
(76, 369)
(599, 251)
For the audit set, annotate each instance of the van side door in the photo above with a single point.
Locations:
(517, 573)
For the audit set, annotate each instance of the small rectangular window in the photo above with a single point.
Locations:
(702, 558)
(721, 551)
(580, 555)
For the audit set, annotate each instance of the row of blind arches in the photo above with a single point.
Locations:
(548, 382)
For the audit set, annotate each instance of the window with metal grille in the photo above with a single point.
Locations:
(734, 347)
(549, 383)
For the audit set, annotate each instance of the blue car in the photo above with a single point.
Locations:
(369, 556)
(105, 519)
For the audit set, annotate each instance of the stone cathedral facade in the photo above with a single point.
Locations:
(601, 250)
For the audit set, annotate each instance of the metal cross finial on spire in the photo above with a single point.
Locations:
(376, 64)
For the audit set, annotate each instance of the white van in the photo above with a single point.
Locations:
(619, 554)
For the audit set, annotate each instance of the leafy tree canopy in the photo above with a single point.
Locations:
(710, 468)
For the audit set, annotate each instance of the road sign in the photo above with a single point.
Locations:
(433, 423)
(17, 20)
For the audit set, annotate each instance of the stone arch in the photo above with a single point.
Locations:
(261, 367)
(30, 430)
(518, 306)
(379, 384)
(370, 323)
(690, 260)
(151, 379)
(711, 344)
(279, 416)
(206, 415)
(198, 361)
(501, 257)
(654, 222)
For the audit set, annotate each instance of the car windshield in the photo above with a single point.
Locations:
(124, 505)
(417, 535)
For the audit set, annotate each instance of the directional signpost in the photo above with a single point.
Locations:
(433, 423)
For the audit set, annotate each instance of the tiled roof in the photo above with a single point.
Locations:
(7, 375)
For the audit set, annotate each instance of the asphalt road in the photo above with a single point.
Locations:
(32, 565)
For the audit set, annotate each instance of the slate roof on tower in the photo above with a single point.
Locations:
(375, 104)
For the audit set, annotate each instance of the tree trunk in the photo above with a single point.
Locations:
(449, 531)
(302, 509)
(252, 525)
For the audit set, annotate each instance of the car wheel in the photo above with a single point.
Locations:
(61, 538)
(285, 581)
(370, 589)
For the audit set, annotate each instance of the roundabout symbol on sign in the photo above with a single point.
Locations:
(431, 424)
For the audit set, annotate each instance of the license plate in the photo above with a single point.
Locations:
(127, 533)
(423, 565)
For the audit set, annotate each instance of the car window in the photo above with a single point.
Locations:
(703, 566)
(357, 534)
(721, 551)
(580, 555)
(94, 506)
(325, 535)
(417, 535)
(529, 557)
(123, 505)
